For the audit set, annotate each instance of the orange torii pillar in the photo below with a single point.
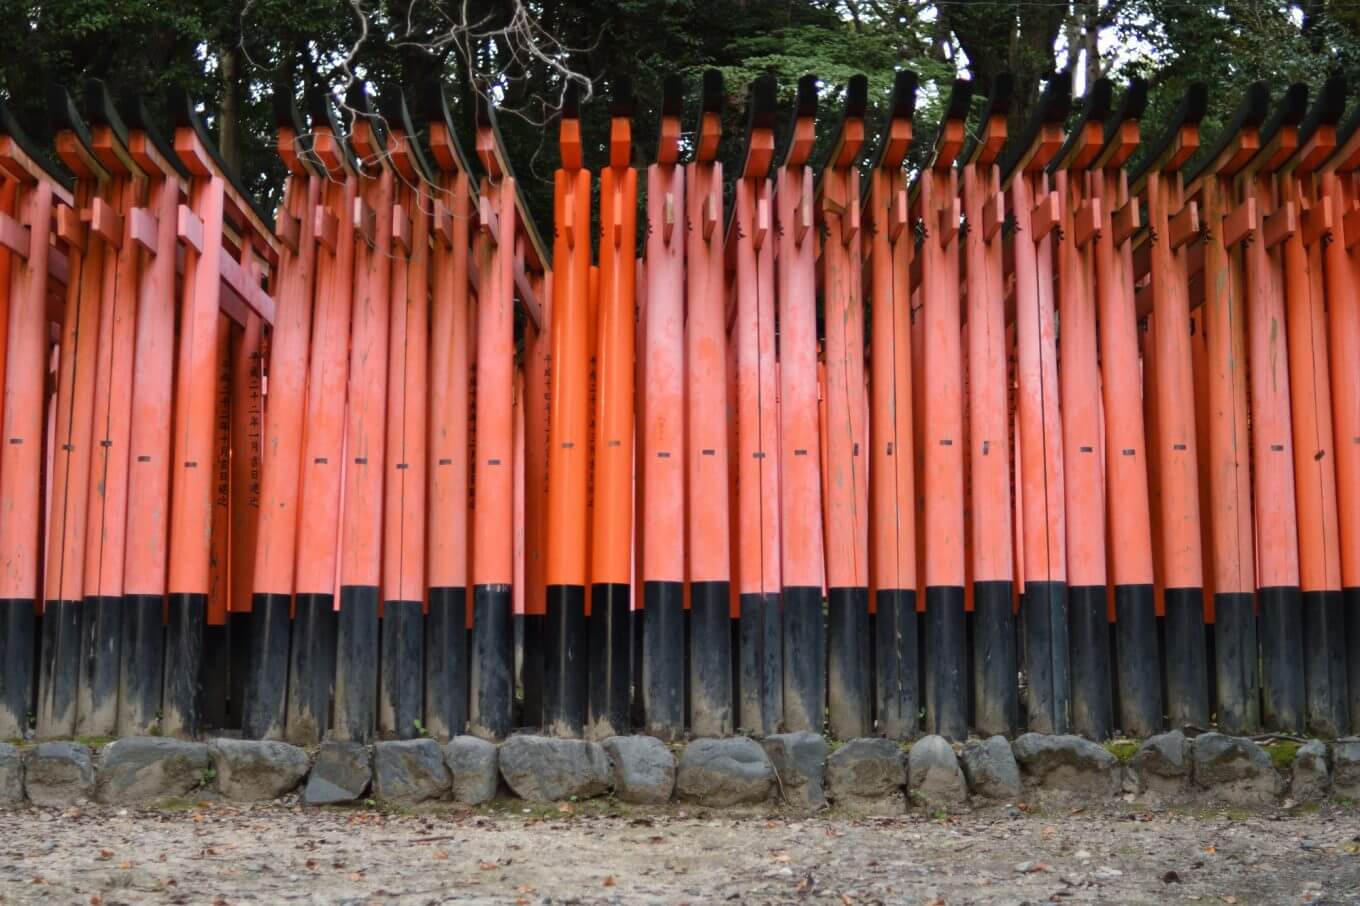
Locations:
(311, 666)
(271, 587)
(361, 523)
(800, 473)
(940, 215)
(706, 465)
(1033, 212)
(146, 560)
(29, 189)
(1228, 229)
(611, 530)
(103, 545)
(1324, 668)
(750, 253)
(537, 284)
(663, 402)
(91, 251)
(1173, 222)
(250, 352)
(402, 678)
(192, 454)
(446, 651)
(1342, 263)
(492, 693)
(1128, 531)
(995, 693)
(1079, 391)
(849, 692)
(1277, 536)
(564, 633)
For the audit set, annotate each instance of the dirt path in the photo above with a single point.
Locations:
(211, 853)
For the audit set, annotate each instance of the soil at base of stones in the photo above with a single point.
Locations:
(601, 852)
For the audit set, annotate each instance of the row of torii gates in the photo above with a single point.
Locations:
(1028, 438)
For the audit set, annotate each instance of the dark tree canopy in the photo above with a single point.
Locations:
(230, 54)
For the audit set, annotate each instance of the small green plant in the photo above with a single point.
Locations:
(1282, 753)
(370, 803)
(208, 776)
(1122, 749)
(420, 728)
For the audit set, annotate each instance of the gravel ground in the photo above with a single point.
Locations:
(203, 852)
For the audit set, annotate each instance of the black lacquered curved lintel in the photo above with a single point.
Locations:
(1189, 112)
(10, 126)
(1055, 103)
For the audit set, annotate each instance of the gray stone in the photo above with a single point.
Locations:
(644, 769)
(866, 776)
(341, 774)
(1311, 778)
(1067, 766)
(722, 772)
(1346, 768)
(11, 775)
(475, 768)
(250, 770)
(547, 769)
(409, 771)
(799, 761)
(933, 773)
(990, 768)
(1235, 770)
(1161, 766)
(58, 773)
(150, 768)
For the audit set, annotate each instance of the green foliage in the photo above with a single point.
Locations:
(1282, 753)
(1122, 749)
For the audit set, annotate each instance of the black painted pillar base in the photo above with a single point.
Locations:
(760, 700)
(946, 669)
(710, 662)
(215, 678)
(1351, 604)
(182, 698)
(446, 663)
(1324, 667)
(240, 628)
(1282, 700)
(1136, 660)
(141, 668)
(610, 658)
(897, 662)
(17, 646)
(1187, 672)
(356, 663)
(401, 682)
(492, 678)
(532, 631)
(1089, 636)
(996, 705)
(848, 679)
(1043, 615)
(804, 659)
(566, 647)
(311, 669)
(1235, 659)
(101, 649)
(59, 669)
(663, 657)
(264, 699)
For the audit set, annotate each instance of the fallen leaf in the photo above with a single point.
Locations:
(125, 865)
(357, 876)
(1210, 850)
(1171, 877)
(1049, 830)
(440, 855)
(608, 880)
(805, 885)
(96, 900)
(105, 855)
(781, 857)
(486, 866)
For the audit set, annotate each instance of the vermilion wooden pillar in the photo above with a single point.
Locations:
(708, 566)
(800, 479)
(940, 213)
(31, 186)
(996, 708)
(1033, 208)
(1079, 391)
(276, 536)
(311, 668)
